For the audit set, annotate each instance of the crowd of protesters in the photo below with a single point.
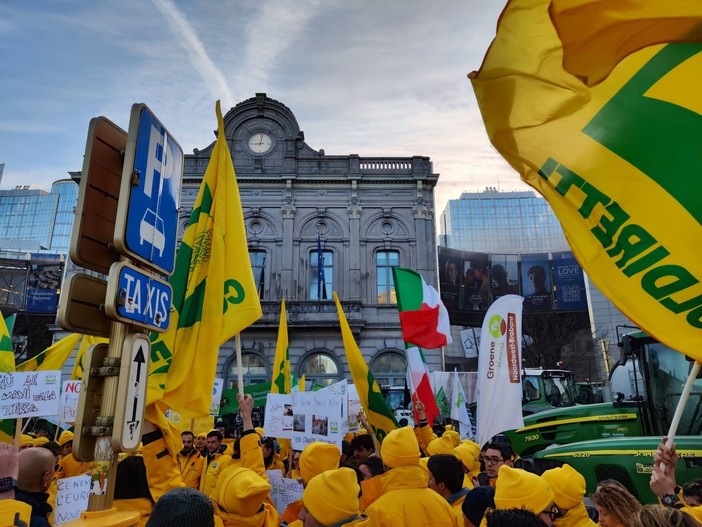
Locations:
(413, 478)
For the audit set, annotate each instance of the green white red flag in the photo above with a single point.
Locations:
(418, 382)
(423, 317)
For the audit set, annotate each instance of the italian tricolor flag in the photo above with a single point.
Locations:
(423, 318)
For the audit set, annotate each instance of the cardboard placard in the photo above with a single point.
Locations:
(29, 394)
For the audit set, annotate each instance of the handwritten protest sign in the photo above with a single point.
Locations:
(318, 416)
(284, 491)
(71, 498)
(216, 396)
(68, 406)
(279, 415)
(29, 394)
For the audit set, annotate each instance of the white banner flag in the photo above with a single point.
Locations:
(499, 369)
(459, 409)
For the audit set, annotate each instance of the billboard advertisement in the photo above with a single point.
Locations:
(569, 283)
(469, 282)
(44, 284)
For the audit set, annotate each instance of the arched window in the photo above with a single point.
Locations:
(321, 368)
(255, 370)
(389, 369)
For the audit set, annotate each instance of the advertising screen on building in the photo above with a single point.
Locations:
(469, 282)
(44, 283)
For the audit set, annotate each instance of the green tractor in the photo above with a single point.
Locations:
(617, 440)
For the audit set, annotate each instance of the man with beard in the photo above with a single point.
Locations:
(190, 461)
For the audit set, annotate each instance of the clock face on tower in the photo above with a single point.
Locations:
(260, 143)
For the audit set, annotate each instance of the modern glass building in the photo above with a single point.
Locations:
(522, 222)
(34, 220)
(479, 221)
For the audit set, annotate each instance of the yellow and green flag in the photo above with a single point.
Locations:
(7, 350)
(281, 382)
(597, 34)
(53, 357)
(85, 343)
(379, 415)
(619, 162)
(214, 297)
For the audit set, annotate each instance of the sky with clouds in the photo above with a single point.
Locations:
(368, 77)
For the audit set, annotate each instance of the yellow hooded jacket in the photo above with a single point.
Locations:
(212, 470)
(407, 500)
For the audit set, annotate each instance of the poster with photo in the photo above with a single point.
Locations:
(354, 408)
(278, 421)
(536, 282)
(318, 416)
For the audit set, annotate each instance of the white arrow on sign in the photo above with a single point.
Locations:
(131, 393)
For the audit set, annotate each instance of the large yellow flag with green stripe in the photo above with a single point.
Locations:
(379, 415)
(7, 351)
(214, 296)
(53, 357)
(620, 161)
(281, 382)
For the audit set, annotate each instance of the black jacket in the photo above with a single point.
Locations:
(40, 508)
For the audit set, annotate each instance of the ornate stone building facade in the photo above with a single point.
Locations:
(364, 214)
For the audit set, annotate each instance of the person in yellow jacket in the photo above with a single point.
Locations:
(446, 479)
(406, 499)
(214, 463)
(270, 458)
(242, 494)
(466, 454)
(70, 466)
(164, 476)
(568, 487)
(190, 461)
(316, 458)
(331, 499)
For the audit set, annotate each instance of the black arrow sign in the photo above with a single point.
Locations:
(139, 359)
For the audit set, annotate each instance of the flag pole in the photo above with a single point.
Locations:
(240, 376)
(443, 358)
(681, 404)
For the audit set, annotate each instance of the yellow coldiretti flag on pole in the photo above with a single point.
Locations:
(214, 296)
(378, 413)
(53, 357)
(281, 382)
(619, 162)
(7, 351)
(85, 343)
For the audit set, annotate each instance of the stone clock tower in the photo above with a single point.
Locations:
(356, 216)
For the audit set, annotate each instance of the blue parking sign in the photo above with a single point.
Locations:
(147, 217)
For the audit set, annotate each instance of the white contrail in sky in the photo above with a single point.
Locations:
(210, 73)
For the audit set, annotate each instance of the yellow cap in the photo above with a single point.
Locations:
(40, 441)
(518, 489)
(240, 491)
(567, 484)
(65, 437)
(400, 447)
(318, 457)
(455, 436)
(441, 445)
(26, 440)
(332, 496)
